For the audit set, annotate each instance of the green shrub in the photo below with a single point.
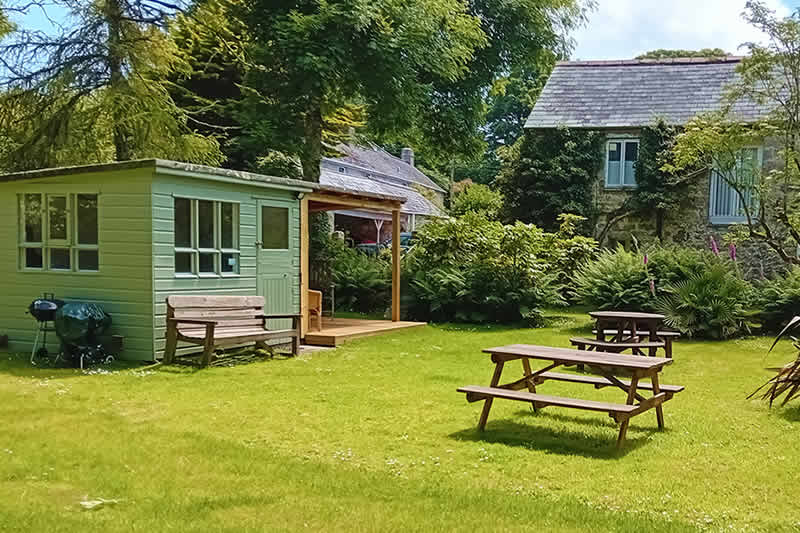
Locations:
(477, 198)
(617, 279)
(670, 264)
(471, 269)
(779, 300)
(712, 303)
(363, 283)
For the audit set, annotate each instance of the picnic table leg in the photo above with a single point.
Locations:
(623, 428)
(653, 333)
(487, 403)
(659, 410)
(526, 367)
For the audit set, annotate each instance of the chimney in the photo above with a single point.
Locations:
(407, 155)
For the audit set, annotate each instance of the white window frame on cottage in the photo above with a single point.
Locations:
(724, 204)
(625, 176)
(67, 244)
(221, 256)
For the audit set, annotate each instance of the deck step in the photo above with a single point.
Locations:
(599, 382)
(476, 393)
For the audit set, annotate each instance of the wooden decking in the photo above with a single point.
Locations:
(336, 331)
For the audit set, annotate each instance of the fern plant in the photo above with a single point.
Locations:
(616, 280)
(711, 303)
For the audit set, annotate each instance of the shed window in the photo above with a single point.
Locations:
(621, 156)
(206, 237)
(725, 204)
(59, 232)
(274, 228)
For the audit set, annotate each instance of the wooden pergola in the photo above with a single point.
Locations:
(331, 199)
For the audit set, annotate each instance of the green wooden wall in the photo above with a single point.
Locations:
(165, 188)
(123, 285)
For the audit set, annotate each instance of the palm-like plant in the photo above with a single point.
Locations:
(787, 382)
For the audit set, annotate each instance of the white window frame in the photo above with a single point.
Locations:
(716, 183)
(47, 243)
(623, 141)
(194, 249)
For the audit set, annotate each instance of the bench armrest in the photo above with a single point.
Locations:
(192, 321)
(278, 316)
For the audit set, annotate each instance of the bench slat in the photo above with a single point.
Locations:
(212, 302)
(641, 333)
(478, 393)
(598, 380)
(617, 345)
(238, 312)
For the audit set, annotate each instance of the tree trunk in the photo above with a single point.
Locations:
(660, 225)
(312, 143)
(113, 13)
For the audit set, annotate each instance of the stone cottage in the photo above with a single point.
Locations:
(619, 98)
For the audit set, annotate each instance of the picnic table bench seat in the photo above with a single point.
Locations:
(583, 343)
(600, 382)
(667, 336)
(618, 411)
(218, 321)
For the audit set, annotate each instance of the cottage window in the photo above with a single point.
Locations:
(621, 158)
(725, 204)
(59, 232)
(206, 237)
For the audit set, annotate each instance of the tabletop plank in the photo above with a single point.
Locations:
(633, 315)
(569, 356)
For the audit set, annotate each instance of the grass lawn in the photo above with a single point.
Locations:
(374, 437)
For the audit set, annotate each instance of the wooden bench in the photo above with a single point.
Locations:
(600, 382)
(667, 336)
(211, 321)
(618, 411)
(582, 343)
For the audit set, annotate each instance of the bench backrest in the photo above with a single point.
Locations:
(229, 311)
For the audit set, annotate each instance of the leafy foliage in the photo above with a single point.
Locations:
(663, 53)
(363, 283)
(103, 74)
(711, 303)
(471, 269)
(477, 198)
(787, 382)
(547, 173)
(779, 300)
(616, 280)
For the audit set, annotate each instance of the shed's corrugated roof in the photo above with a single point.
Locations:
(376, 158)
(618, 94)
(414, 201)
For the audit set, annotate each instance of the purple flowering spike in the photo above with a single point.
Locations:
(732, 251)
(645, 259)
(714, 247)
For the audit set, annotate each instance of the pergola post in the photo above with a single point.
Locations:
(396, 265)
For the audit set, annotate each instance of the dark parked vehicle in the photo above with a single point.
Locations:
(406, 240)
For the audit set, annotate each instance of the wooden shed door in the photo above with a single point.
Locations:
(274, 266)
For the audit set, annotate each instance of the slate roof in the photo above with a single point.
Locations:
(415, 202)
(375, 158)
(618, 94)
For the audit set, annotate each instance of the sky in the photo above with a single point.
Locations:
(623, 29)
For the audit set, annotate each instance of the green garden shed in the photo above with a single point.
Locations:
(127, 235)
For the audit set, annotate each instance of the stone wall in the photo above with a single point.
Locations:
(688, 225)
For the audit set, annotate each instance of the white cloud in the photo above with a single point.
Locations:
(623, 29)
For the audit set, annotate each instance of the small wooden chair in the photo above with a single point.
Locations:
(315, 308)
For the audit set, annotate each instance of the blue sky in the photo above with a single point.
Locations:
(622, 29)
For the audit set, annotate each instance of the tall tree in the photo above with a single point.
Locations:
(105, 71)
(312, 57)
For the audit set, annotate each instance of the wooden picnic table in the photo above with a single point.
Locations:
(606, 364)
(628, 330)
